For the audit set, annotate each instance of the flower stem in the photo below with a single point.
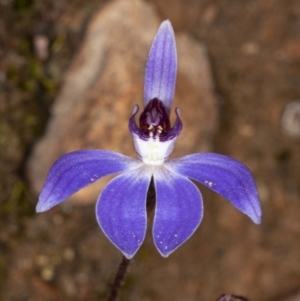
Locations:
(115, 288)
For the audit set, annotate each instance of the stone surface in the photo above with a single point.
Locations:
(290, 121)
(105, 81)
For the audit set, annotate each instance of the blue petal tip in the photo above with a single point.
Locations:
(161, 68)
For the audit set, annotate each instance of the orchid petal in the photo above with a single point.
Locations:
(224, 175)
(121, 210)
(161, 68)
(78, 169)
(178, 212)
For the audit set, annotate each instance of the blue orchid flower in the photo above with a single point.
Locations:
(121, 207)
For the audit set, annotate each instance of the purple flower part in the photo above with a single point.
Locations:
(227, 297)
(121, 210)
(154, 150)
(224, 175)
(169, 134)
(161, 68)
(155, 119)
(179, 210)
(78, 169)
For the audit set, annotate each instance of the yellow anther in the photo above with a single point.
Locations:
(159, 129)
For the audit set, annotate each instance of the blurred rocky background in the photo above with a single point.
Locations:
(70, 73)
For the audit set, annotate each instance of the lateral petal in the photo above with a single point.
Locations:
(224, 175)
(121, 210)
(78, 169)
(161, 68)
(178, 213)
